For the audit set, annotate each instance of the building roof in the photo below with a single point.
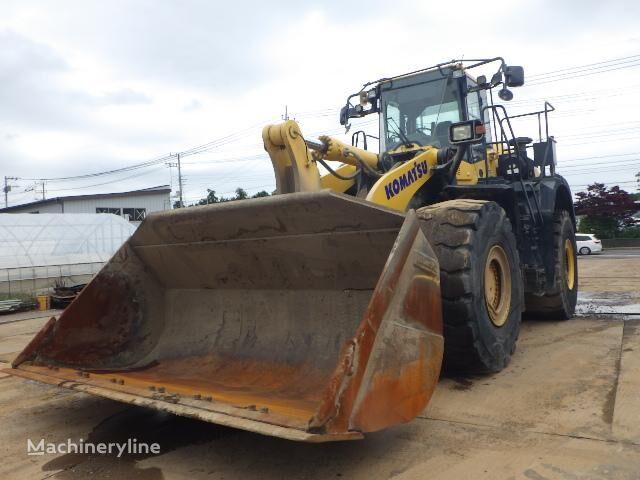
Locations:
(48, 201)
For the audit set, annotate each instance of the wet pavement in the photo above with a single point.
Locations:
(617, 305)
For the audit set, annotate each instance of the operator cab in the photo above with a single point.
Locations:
(429, 108)
(421, 108)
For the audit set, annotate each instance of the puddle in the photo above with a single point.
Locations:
(616, 305)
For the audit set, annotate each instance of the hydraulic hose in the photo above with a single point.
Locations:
(366, 168)
(336, 174)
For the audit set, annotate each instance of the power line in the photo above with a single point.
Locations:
(223, 140)
(602, 156)
(599, 141)
(257, 156)
(589, 66)
(610, 182)
(137, 166)
(575, 173)
(579, 75)
(103, 183)
(599, 132)
(623, 163)
(574, 97)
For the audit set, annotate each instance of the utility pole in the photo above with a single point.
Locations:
(7, 189)
(180, 180)
(170, 165)
(43, 190)
(177, 164)
(6, 192)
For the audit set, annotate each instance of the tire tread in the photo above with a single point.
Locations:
(452, 229)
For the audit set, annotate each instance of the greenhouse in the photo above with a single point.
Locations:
(38, 251)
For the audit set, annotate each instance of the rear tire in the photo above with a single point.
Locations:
(585, 251)
(480, 281)
(559, 302)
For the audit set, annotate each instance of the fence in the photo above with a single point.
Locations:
(621, 243)
(39, 278)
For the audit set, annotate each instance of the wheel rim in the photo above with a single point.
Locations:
(569, 263)
(497, 285)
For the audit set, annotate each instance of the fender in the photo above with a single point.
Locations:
(555, 194)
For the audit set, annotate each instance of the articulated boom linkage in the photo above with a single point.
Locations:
(295, 159)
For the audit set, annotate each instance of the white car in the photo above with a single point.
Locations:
(587, 244)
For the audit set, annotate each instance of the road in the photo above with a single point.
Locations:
(566, 407)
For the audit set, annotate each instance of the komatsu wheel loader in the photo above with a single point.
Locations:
(326, 311)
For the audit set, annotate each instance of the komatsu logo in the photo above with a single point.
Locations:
(397, 185)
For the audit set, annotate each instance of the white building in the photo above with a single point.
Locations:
(133, 206)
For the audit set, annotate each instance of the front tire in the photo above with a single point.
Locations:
(559, 302)
(480, 281)
(585, 251)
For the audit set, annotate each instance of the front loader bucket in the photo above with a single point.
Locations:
(308, 316)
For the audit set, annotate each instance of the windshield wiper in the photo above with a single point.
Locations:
(401, 134)
(444, 92)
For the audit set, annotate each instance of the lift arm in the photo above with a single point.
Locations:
(295, 165)
(295, 159)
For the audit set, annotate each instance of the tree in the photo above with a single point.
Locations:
(241, 194)
(260, 194)
(606, 210)
(210, 198)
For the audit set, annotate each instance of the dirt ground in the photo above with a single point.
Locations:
(567, 407)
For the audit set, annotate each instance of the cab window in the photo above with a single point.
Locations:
(421, 113)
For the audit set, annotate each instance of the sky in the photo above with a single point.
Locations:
(94, 86)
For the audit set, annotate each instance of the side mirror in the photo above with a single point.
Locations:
(348, 112)
(344, 115)
(471, 131)
(514, 76)
(505, 94)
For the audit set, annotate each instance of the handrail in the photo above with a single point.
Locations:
(516, 147)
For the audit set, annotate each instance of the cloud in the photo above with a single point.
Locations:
(193, 105)
(36, 93)
(125, 96)
(96, 83)
(30, 75)
(20, 57)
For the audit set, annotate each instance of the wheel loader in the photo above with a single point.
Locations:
(327, 310)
